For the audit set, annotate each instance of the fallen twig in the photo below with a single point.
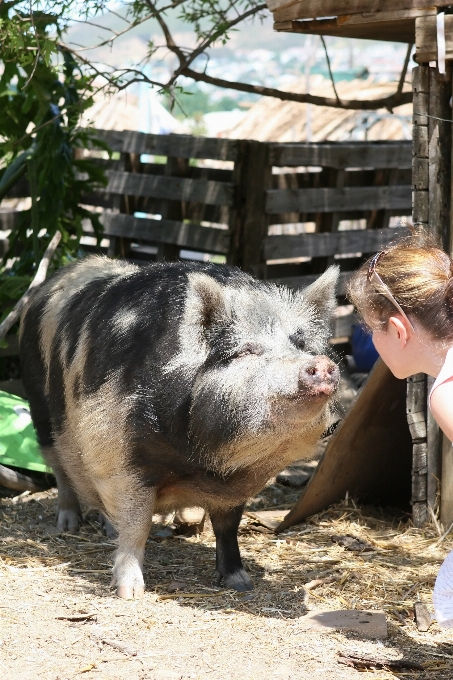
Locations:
(359, 661)
(172, 596)
(320, 582)
(77, 617)
(17, 481)
(118, 645)
(444, 535)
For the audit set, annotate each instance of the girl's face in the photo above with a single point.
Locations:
(398, 347)
(389, 351)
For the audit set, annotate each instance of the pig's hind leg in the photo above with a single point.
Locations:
(225, 524)
(68, 509)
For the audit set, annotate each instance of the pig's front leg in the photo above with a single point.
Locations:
(131, 514)
(228, 558)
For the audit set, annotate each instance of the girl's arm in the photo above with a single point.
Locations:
(442, 407)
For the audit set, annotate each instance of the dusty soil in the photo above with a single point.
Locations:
(60, 620)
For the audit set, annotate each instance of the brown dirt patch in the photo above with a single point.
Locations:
(60, 620)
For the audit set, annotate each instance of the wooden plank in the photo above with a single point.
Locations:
(446, 485)
(419, 514)
(286, 10)
(420, 79)
(416, 397)
(183, 234)
(321, 245)
(420, 174)
(417, 425)
(338, 200)
(420, 141)
(433, 453)
(383, 26)
(170, 188)
(341, 155)
(419, 487)
(249, 221)
(426, 38)
(370, 455)
(178, 146)
(301, 282)
(419, 457)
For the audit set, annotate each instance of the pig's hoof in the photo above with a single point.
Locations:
(68, 520)
(108, 528)
(238, 580)
(128, 577)
(130, 592)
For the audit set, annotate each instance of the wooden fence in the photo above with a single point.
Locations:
(280, 211)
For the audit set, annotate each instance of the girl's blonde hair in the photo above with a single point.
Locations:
(419, 275)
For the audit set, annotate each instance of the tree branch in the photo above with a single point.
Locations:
(305, 98)
(215, 36)
(330, 68)
(404, 72)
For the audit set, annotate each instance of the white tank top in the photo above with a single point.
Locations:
(443, 589)
(446, 372)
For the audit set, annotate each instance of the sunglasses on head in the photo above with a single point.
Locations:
(379, 286)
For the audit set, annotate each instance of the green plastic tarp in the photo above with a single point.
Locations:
(18, 444)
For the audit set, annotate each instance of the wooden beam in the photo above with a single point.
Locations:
(342, 155)
(397, 26)
(426, 38)
(183, 234)
(178, 146)
(370, 454)
(285, 10)
(397, 197)
(328, 244)
(169, 188)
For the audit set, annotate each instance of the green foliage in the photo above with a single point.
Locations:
(43, 93)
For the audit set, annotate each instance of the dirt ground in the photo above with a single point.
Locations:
(60, 620)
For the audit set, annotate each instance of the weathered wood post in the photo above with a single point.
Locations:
(249, 222)
(432, 202)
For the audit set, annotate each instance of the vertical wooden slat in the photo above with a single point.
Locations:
(416, 384)
(249, 222)
(117, 244)
(172, 210)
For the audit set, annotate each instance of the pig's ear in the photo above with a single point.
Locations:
(321, 293)
(206, 301)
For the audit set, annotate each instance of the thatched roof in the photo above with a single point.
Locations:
(283, 121)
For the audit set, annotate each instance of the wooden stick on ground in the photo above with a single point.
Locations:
(14, 314)
(17, 481)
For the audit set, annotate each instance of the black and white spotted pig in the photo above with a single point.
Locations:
(173, 385)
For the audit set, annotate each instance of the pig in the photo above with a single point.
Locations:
(170, 386)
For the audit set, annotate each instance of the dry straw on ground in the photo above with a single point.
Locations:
(59, 619)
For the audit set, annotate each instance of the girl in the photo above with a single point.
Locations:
(405, 296)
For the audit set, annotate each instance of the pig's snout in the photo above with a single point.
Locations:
(319, 377)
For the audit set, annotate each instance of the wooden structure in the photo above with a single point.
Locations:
(280, 211)
(430, 27)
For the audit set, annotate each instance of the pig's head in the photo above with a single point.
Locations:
(261, 382)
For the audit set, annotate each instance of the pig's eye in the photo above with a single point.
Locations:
(298, 339)
(249, 348)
